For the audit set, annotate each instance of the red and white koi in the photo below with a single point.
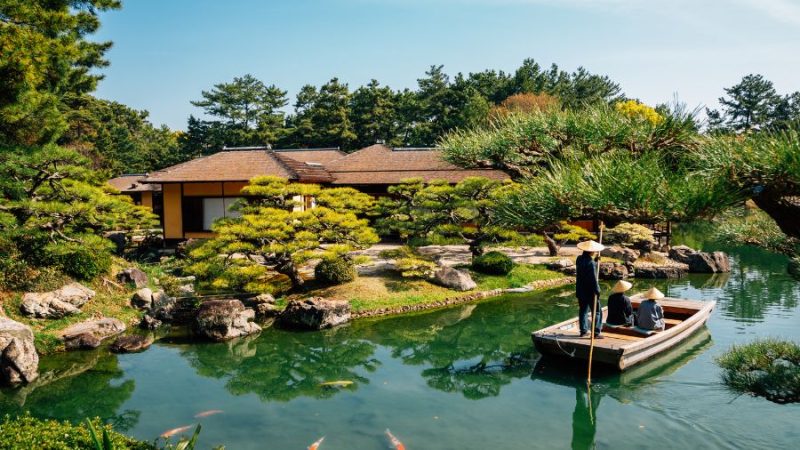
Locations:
(210, 412)
(316, 444)
(174, 431)
(395, 442)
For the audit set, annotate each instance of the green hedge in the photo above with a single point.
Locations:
(335, 271)
(493, 263)
(26, 432)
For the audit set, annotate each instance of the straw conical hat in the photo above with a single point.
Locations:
(621, 287)
(591, 246)
(653, 294)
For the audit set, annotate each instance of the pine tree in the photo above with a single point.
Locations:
(374, 115)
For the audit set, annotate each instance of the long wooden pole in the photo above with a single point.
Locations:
(594, 319)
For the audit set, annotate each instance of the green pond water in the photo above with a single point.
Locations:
(461, 378)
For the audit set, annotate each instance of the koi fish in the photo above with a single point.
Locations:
(174, 431)
(340, 383)
(316, 445)
(396, 442)
(210, 412)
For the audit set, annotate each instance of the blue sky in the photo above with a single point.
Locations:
(165, 52)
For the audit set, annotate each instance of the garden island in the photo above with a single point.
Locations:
(363, 267)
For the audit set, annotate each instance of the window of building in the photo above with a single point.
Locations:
(199, 213)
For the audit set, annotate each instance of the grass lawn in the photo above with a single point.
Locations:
(390, 290)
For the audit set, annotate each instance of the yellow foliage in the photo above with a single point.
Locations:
(639, 111)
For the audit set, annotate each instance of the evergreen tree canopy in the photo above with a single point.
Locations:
(45, 59)
(754, 103)
(273, 238)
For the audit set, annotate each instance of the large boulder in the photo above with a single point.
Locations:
(89, 334)
(142, 299)
(449, 277)
(220, 320)
(56, 304)
(613, 271)
(177, 311)
(626, 255)
(263, 305)
(314, 313)
(668, 271)
(19, 362)
(131, 343)
(700, 262)
(133, 276)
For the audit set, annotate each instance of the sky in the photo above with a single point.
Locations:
(167, 51)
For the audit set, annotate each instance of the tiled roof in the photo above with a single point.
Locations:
(379, 164)
(130, 183)
(242, 165)
(376, 164)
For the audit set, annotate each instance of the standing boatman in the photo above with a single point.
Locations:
(587, 287)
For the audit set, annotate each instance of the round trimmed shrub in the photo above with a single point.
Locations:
(493, 263)
(335, 271)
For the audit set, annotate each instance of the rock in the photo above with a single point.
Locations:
(19, 362)
(701, 262)
(131, 343)
(626, 255)
(665, 248)
(91, 333)
(793, 268)
(560, 264)
(314, 314)
(142, 299)
(178, 311)
(265, 311)
(149, 322)
(673, 271)
(221, 320)
(186, 290)
(260, 298)
(56, 304)
(613, 271)
(454, 279)
(133, 276)
(519, 290)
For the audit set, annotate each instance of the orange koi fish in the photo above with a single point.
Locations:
(174, 431)
(316, 445)
(396, 442)
(210, 412)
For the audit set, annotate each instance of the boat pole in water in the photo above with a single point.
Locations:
(594, 319)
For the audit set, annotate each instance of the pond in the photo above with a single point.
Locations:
(461, 378)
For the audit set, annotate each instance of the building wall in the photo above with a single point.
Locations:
(147, 200)
(173, 212)
(173, 205)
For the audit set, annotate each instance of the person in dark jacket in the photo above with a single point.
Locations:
(620, 310)
(587, 288)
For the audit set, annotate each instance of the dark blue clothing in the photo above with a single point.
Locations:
(620, 310)
(587, 289)
(585, 316)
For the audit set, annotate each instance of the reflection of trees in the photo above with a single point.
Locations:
(473, 349)
(74, 385)
(281, 365)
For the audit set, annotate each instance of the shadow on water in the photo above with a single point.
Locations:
(625, 387)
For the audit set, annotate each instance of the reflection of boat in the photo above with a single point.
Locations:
(625, 347)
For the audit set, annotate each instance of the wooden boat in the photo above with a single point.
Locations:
(624, 347)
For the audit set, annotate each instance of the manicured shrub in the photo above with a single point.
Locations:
(769, 368)
(629, 234)
(335, 271)
(493, 263)
(415, 267)
(83, 260)
(26, 432)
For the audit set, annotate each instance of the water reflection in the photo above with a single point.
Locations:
(76, 385)
(281, 366)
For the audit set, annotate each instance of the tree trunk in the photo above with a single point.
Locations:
(476, 248)
(552, 245)
(784, 210)
(289, 269)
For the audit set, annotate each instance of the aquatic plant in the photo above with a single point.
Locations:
(767, 367)
(28, 432)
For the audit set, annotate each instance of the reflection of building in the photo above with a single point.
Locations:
(197, 192)
(142, 194)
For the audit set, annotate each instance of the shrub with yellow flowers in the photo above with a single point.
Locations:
(639, 111)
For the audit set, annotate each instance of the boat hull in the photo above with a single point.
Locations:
(622, 351)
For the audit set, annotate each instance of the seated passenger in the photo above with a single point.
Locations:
(650, 315)
(620, 311)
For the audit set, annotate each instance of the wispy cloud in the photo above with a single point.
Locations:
(787, 11)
